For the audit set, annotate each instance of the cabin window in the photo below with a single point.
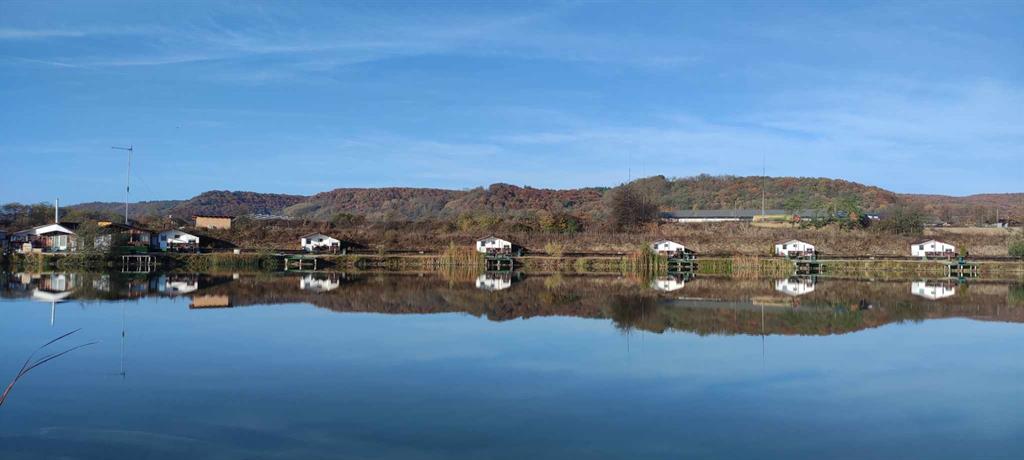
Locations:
(921, 247)
(783, 246)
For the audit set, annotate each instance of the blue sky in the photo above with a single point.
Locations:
(306, 97)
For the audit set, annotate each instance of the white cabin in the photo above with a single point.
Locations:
(319, 242)
(795, 248)
(666, 247)
(493, 244)
(932, 248)
(795, 286)
(45, 238)
(932, 290)
(176, 239)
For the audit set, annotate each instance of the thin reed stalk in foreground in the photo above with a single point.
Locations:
(32, 364)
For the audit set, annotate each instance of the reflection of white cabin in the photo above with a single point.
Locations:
(493, 244)
(494, 281)
(668, 248)
(53, 288)
(177, 239)
(668, 283)
(932, 290)
(795, 286)
(318, 283)
(179, 287)
(50, 296)
(932, 248)
(794, 248)
(319, 242)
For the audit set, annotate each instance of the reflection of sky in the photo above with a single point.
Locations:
(297, 381)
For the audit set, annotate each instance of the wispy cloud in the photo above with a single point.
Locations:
(863, 133)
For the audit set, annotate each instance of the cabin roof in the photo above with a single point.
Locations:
(119, 226)
(931, 241)
(317, 234)
(215, 216)
(794, 241)
(179, 231)
(66, 227)
(492, 237)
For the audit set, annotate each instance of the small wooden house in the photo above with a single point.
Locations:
(932, 248)
(795, 249)
(495, 245)
(176, 240)
(670, 249)
(318, 242)
(115, 235)
(213, 221)
(52, 238)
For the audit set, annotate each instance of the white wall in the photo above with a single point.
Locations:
(169, 237)
(493, 244)
(666, 246)
(922, 249)
(318, 241)
(782, 249)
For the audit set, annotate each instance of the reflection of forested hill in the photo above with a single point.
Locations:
(734, 308)
(702, 306)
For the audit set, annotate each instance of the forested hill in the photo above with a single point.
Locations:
(213, 202)
(699, 192)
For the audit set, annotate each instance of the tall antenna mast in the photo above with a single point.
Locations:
(128, 179)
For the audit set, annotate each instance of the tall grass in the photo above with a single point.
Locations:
(746, 267)
(460, 256)
(645, 262)
(32, 362)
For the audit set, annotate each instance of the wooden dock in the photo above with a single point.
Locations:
(962, 268)
(137, 263)
(301, 262)
(807, 266)
(500, 262)
(682, 265)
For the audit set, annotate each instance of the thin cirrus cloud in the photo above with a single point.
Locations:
(572, 94)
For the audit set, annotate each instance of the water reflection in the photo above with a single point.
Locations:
(933, 290)
(670, 283)
(320, 282)
(795, 285)
(711, 305)
(497, 281)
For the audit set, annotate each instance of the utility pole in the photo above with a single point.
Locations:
(128, 179)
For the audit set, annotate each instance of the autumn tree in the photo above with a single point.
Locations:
(903, 220)
(630, 208)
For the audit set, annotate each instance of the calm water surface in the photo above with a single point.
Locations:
(341, 366)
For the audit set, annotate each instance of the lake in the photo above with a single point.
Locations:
(410, 366)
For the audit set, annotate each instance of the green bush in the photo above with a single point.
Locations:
(1016, 247)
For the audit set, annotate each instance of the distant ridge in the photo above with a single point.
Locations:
(690, 193)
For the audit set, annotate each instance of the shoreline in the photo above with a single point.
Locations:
(733, 265)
